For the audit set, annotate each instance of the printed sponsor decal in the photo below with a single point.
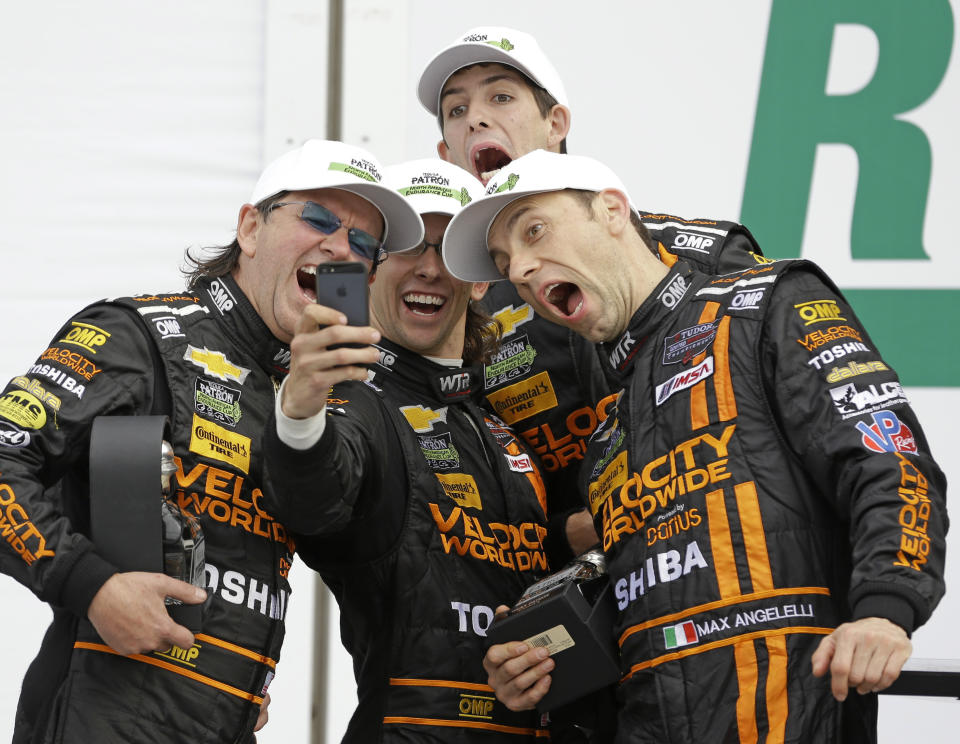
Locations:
(818, 311)
(13, 436)
(853, 369)
(422, 418)
(623, 351)
(682, 634)
(678, 519)
(661, 568)
(36, 389)
(23, 409)
(523, 399)
(514, 359)
(215, 364)
(167, 326)
(511, 318)
(887, 433)
(671, 294)
(816, 339)
(85, 336)
(216, 401)
(246, 591)
(611, 478)
(685, 344)
(690, 241)
(850, 401)
(209, 440)
(221, 295)
(439, 451)
(519, 463)
(835, 352)
(683, 380)
(166, 298)
(18, 529)
(72, 361)
(182, 312)
(747, 299)
(914, 516)
(462, 489)
(734, 284)
(497, 186)
(359, 167)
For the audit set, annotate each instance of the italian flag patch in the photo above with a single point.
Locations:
(680, 635)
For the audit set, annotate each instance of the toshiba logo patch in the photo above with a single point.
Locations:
(685, 379)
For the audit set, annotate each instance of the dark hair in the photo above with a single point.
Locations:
(545, 101)
(481, 339)
(587, 198)
(224, 258)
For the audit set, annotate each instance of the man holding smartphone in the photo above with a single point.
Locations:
(210, 358)
(421, 511)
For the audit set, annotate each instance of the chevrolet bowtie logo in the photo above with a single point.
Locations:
(215, 364)
(421, 419)
(510, 317)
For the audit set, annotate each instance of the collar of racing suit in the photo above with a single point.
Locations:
(618, 356)
(437, 381)
(223, 296)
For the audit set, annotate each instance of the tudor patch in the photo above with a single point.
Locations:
(685, 344)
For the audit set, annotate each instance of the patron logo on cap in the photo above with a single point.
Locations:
(508, 185)
(503, 44)
(360, 168)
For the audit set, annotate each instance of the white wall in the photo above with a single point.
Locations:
(132, 131)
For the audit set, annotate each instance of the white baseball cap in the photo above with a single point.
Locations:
(432, 185)
(327, 164)
(505, 46)
(465, 251)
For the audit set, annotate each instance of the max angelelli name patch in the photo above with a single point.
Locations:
(218, 402)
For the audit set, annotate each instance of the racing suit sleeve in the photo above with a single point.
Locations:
(351, 483)
(844, 413)
(99, 363)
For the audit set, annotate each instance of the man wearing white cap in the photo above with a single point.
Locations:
(497, 96)
(114, 666)
(768, 516)
(421, 511)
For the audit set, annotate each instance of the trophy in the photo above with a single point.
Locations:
(135, 520)
(570, 613)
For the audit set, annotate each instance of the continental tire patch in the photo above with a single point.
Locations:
(209, 440)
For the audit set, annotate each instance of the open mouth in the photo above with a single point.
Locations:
(307, 279)
(422, 304)
(566, 297)
(488, 160)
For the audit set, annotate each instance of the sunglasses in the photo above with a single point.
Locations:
(419, 250)
(322, 219)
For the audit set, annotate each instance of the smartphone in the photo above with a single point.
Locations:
(343, 285)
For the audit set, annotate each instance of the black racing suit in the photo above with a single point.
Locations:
(219, 366)
(547, 381)
(760, 479)
(423, 514)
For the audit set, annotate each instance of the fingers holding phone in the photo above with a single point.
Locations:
(332, 339)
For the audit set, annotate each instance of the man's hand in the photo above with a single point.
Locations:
(264, 715)
(867, 654)
(519, 675)
(315, 368)
(130, 615)
(581, 534)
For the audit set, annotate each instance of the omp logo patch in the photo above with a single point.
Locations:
(523, 399)
(215, 364)
(514, 359)
(85, 336)
(683, 380)
(461, 488)
(818, 311)
(671, 294)
(181, 656)
(693, 242)
(167, 326)
(473, 705)
(221, 296)
(748, 299)
(422, 419)
(23, 409)
(511, 317)
(209, 440)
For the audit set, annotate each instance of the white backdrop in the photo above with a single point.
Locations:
(132, 131)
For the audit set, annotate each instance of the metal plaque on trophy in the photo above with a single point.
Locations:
(135, 520)
(570, 613)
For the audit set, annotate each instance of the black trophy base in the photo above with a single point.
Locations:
(579, 634)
